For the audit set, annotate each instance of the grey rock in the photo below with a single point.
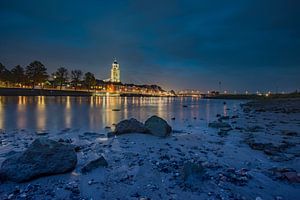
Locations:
(158, 126)
(129, 126)
(43, 157)
(94, 164)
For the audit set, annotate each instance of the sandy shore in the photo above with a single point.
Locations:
(257, 159)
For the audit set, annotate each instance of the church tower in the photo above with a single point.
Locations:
(115, 72)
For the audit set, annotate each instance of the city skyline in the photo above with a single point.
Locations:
(249, 45)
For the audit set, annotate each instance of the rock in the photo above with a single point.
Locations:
(237, 177)
(289, 174)
(41, 133)
(129, 126)
(223, 118)
(43, 157)
(94, 164)
(254, 128)
(158, 126)
(224, 131)
(91, 134)
(289, 133)
(65, 140)
(110, 134)
(219, 125)
(292, 177)
(192, 171)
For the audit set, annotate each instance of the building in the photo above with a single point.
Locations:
(115, 72)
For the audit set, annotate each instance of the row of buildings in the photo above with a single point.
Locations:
(114, 86)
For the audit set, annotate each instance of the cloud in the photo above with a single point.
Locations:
(196, 42)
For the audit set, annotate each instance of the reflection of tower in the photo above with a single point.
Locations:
(115, 72)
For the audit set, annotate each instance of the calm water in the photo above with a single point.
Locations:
(94, 113)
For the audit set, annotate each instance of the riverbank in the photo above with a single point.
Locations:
(41, 92)
(251, 153)
(49, 92)
(253, 96)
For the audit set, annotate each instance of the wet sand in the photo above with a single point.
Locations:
(257, 159)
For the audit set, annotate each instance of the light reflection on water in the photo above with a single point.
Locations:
(94, 113)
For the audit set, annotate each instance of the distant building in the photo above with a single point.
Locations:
(115, 72)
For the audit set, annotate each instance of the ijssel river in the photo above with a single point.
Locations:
(95, 113)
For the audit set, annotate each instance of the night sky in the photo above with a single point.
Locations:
(246, 44)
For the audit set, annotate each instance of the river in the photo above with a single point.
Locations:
(42, 113)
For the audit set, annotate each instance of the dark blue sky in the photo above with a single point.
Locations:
(246, 44)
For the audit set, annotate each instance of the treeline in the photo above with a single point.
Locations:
(35, 74)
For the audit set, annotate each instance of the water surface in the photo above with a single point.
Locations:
(94, 113)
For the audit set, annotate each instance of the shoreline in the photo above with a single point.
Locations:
(54, 92)
(254, 96)
(41, 92)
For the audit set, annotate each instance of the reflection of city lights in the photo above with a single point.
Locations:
(2, 114)
(41, 113)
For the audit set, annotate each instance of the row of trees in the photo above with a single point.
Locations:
(36, 74)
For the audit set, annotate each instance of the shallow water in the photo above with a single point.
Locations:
(94, 113)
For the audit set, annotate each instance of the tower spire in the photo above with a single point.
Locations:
(115, 71)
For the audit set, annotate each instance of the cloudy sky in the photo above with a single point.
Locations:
(246, 44)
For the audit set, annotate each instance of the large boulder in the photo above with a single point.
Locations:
(158, 126)
(129, 126)
(43, 157)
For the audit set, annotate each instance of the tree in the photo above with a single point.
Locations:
(89, 80)
(36, 73)
(76, 77)
(2, 69)
(18, 74)
(61, 76)
(5, 75)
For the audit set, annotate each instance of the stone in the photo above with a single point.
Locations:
(192, 171)
(237, 177)
(41, 133)
(223, 118)
(219, 125)
(292, 177)
(43, 157)
(94, 164)
(158, 126)
(129, 126)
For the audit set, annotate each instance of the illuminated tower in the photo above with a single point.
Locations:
(115, 72)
